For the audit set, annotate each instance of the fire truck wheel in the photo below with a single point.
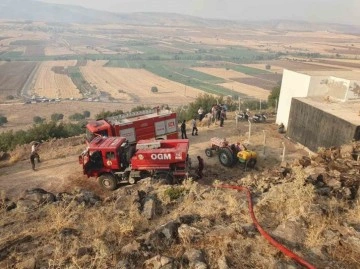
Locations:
(164, 177)
(226, 157)
(208, 152)
(108, 182)
(251, 163)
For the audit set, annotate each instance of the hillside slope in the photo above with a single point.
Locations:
(311, 205)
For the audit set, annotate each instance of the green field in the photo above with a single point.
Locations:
(182, 75)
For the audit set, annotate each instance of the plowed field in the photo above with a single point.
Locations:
(13, 76)
(135, 85)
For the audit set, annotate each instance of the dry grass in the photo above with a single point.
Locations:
(288, 199)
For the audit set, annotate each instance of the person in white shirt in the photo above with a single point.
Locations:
(201, 113)
(34, 154)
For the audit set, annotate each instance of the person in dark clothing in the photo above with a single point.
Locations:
(200, 168)
(218, 112)
(183, 130)
(194, 128)
(222, 117)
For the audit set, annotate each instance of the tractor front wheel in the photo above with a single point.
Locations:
(208, 152)
(108, 182)
(226, 157)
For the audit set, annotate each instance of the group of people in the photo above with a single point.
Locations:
(183, 129)
(217, 113)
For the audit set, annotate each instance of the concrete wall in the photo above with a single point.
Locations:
(354, 90)
(318, 86)
(293, 85)
(338, 87)
(315, 128)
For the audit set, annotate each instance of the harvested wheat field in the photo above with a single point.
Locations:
(233, 83)
(135, 85)
(221, 72)
(54, 85)
(58, 50)
(248, 90)
(273, 69)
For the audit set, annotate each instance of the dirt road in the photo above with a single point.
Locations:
(60, 171)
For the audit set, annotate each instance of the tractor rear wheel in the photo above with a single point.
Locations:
(251, 163)
(208, 152)
(164, 176)
(107, 182)
(226, 157)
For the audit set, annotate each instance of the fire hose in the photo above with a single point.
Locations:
(271, 240)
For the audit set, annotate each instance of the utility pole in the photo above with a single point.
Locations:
(239, 103)
(283, 153)
(249, 130)
(264, 142)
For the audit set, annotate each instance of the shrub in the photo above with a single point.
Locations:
(86, 114)
(3, 120)
(104, 114)
(174, 193)
(44, 131)
(76, 117)
(206, 101)
(274, 96)
(140, 108)
(38, 120)
(10, 97)
(56, 117)
(154, 89)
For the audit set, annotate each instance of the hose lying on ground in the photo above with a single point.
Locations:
(272, 241)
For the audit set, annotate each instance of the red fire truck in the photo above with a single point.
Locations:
(112, 160)
(135, 126)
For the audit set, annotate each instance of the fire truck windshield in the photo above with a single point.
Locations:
(89, 135)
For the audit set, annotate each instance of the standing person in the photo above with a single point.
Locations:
(194, 128)
(200, 168)
(201, 113)
(183, 130)
(222, 117)
(34, 154)
(213, 112)
(218, 112)
(209, 119)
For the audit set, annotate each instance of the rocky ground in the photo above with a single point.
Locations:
(56, 218)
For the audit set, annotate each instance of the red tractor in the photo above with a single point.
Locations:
(113, 160)
(229, 155)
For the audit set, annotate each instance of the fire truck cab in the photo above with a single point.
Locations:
(113, 160)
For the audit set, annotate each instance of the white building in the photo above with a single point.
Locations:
(315, 84)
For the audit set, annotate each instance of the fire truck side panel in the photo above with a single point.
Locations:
(156, 125)
(128, 133)
(160, 128)
(171, 153)
(171, 126)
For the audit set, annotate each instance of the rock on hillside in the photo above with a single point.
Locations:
(311, 206)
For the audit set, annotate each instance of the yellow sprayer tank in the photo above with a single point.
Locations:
(246, 155)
